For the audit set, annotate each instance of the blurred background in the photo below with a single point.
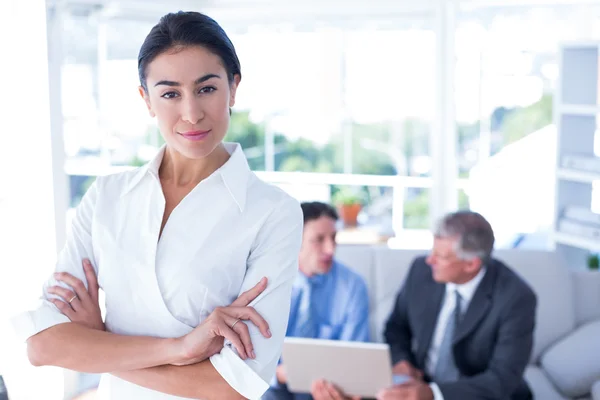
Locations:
(349, 100)
(407, 108)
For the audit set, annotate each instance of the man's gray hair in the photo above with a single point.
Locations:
(474, 233)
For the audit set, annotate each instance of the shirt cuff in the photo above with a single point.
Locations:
(437, 393)
(32, 322)
(238, 374)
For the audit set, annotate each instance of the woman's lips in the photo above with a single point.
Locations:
(195, 136)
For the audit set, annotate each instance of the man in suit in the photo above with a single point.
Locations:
(462, 326)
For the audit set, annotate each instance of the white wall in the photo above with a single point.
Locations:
(27, 229)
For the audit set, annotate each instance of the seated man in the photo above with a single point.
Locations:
(329, 301)
(463, 323)
(3, 391)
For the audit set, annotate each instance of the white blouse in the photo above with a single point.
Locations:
(225, 235)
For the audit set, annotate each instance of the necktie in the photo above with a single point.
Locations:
(305, 323)
(446, 370)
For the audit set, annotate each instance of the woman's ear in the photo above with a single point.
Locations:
(233, 89)
(146, 98)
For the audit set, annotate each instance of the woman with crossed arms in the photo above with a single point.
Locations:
(196, 255)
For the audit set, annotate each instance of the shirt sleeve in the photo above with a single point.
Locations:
(43, 314)
(356, 325)
(274, 255)
(437, 393)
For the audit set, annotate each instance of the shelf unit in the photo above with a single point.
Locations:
(566, 239)
(576, 111)
(574, 175)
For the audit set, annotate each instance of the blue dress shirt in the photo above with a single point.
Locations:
(339, 305)
(339, 310)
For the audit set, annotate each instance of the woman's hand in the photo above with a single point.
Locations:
(225, 323)
(80, 304)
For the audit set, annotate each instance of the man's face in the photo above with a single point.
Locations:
(445, 264)
(318, 246)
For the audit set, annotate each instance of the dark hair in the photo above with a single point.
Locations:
(187, 29)
(315, 210)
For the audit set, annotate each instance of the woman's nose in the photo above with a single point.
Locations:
(192, 111)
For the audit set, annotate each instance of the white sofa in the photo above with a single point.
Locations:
(565, 363)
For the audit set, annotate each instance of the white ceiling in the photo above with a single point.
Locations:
(252, 11)
(284, 10)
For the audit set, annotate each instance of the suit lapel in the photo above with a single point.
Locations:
(434, 298)
(479, 305)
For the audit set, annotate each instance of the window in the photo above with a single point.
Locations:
(327, 98)
(506, 72)
(340, 99)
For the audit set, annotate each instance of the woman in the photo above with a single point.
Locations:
(173, 245)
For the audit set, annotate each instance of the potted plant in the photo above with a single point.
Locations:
(349, 203)
(593, 262)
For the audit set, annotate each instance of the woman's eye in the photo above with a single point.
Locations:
(169, 95)
(207, 89)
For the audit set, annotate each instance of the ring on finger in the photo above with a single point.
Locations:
(72, 298)
(236, 321)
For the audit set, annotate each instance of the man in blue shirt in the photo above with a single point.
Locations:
(329, 300)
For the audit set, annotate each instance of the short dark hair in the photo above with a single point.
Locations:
(315, 210)
(187, 29)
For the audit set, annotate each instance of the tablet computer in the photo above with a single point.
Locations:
(359, 369)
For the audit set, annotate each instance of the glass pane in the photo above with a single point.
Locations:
(416, 208)
(389, 124)
(335, 115)
(395, 148)
(463, 199)
(105, 122)
(251, 135)
(365, 211)
(506, 74)
(287, 97)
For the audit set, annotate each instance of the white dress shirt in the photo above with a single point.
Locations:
(466, 291)
(225, 235)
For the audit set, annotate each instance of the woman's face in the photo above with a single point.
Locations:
(190, 96)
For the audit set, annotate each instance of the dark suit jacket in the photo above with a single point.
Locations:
(492, 344)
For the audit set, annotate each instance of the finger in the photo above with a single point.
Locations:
(390, 394)
(232, 336)
(320, 393)
(64, 308)
(333, 392)
(248, 296)
(75, 283)
(250, 314)
(92, 280)
(315, 390)
(241, 329)
(69, 297)
(324, 392)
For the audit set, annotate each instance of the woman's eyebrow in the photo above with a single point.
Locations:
(197, 81)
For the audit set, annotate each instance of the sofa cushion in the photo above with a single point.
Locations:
(359, 258)
(540, 385)
(551, 282)
(596, 391)
(586, 287)
(573, 363)
(391, 269)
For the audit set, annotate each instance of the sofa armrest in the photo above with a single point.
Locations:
(596, 391)
(572, 363)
